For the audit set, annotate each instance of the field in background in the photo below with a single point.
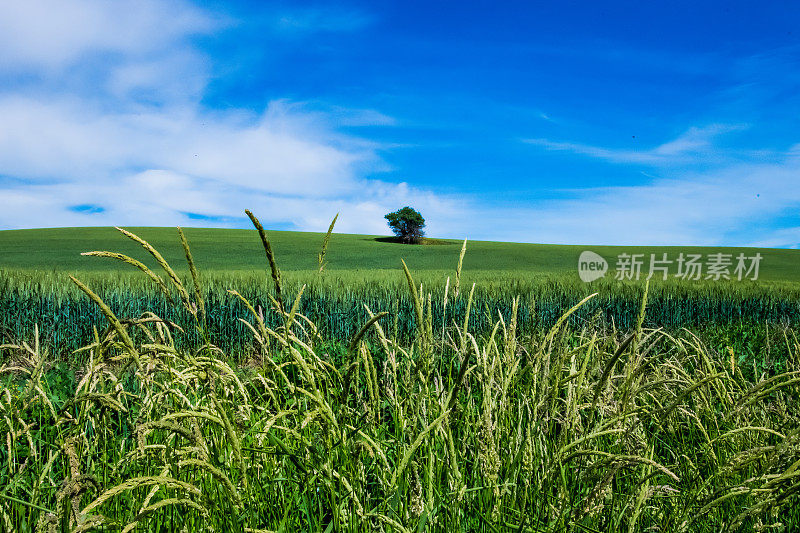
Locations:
(58, 250)
(365, 270)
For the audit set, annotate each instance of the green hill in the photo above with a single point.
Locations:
(58, 250)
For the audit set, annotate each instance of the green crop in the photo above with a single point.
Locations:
(335, 302)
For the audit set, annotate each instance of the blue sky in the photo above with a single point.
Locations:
(562, 122)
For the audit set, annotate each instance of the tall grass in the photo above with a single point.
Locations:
(586, 426)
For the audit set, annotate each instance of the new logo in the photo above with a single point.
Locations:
(591, 266)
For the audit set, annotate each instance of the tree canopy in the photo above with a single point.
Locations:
(407, 224)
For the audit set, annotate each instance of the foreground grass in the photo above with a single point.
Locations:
(582, 429)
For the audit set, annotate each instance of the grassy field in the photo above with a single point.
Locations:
(575, 427)
(361, 270)
(226, 250)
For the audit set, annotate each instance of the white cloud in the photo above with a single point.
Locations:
(170, 198)
(145, 80)
(307, 20)
(281, 151)
(719, 202)
(710, 208)
(53, 34)
(683, 149)
(213, 164)
(780, 238)
(110, 129)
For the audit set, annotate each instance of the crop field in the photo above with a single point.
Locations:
(236, 250)
(233, 385)
(35, 289)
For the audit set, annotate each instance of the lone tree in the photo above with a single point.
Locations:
(407, 224)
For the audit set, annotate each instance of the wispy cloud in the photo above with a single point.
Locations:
(321, 19)
(737, 204)
(780, 238)
(693, 143)
(52, 35)
(705, 194)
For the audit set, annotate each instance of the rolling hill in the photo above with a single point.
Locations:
(58, 250)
